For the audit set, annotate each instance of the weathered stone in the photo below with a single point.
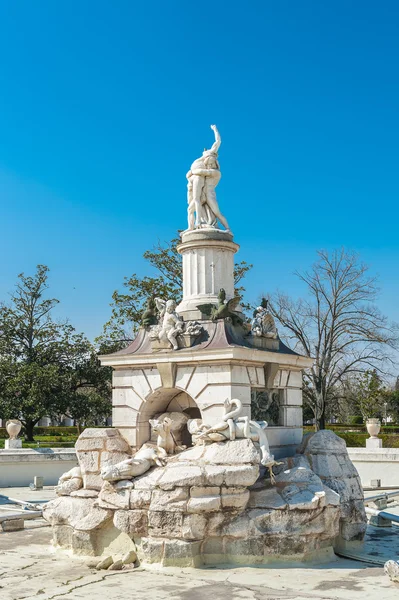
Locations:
(217, 522)
(235, 452)
(82, 493)
(109, 497)
(204, 504)
(149, 480)
(79, 513)
(242, 476)
(199, 491)
(112, 458)
(83, 543)
(89, 461)
(236, 498)
(329, 459)
(391, 568)
(353, 531)
(123, 484)
(213, 550)
(163, 523)
(117, 444)
(13, 525)
(151, 550)
(62, 536)
(239, 526)
(173, 500)
(180, 476)
(104, 563)
(116, 566)
(132, 522)
(178, 553)
(266, 498)
(140, 498)
(69, 487)
(194, 527)
(93, 481)
(89, 444)
(189, 455)
(245, 551)
(129, 558)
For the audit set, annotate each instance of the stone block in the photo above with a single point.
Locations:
(217, 522)
(164, 523)
(83, 543)
(236, 498)
(80, 513)
(139, 498)
(373, 443)
(266, 498)
(194, 527)
(92, 481)
(353, 531)
(13, 525)
(89, 461)
(178, 553)
(248, 551)
(151, 550)
(173, 500)
(62, 536)
(90, 444)
(109, 497)
(237, 452)
(199, 491)
(213, 551)
(12, 444)
(243, 476)
(132, 522)
(149, 480)
(180, 476)
(205, 504)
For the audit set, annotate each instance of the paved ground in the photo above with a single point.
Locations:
(30, 568)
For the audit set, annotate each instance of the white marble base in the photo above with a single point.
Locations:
(373, 443)
(12, 444)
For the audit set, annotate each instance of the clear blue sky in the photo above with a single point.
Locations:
(104, 105)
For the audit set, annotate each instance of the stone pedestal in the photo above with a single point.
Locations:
(12, 444)
(208, 266)
(373, 442)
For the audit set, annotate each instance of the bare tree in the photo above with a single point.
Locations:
(338, 325)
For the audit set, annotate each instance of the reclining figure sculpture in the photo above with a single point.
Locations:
(142, 461)
(232, 427)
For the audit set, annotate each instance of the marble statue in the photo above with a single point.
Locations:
(147, 457)
(203, 177)
(166, 439)
(262, 324)
(223, 310)
(149, 316)
(170, 323)
(193, 328)
(233, 426)
(69, 482)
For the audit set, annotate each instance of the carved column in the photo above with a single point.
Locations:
(208, 266)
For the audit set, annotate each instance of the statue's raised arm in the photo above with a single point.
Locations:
(218, 140)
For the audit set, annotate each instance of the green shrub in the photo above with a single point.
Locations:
(355, 420)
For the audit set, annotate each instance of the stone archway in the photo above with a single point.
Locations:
(161, 401)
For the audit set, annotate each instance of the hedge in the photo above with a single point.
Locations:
(358, 440)
(52, 431)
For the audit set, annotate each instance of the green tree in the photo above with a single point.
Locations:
(43, 362)
(128, 306)
(371, 396)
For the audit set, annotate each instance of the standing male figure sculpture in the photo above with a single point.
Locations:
(203, 177)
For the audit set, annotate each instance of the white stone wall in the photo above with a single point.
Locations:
(140, 393)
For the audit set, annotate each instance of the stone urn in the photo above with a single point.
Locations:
(13, 427)
(373, 427)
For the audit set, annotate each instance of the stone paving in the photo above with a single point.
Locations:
(30, 568)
